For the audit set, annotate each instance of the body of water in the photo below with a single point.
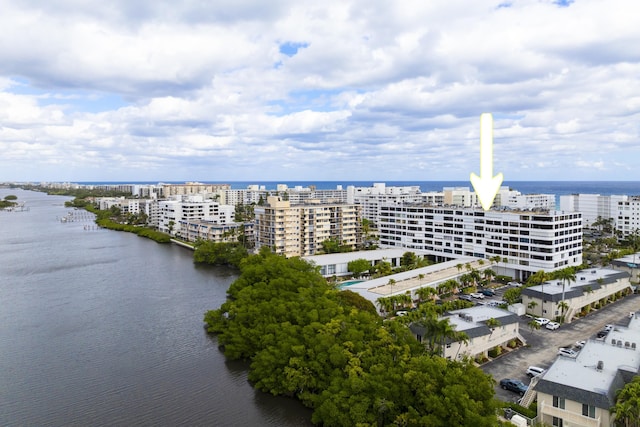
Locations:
(100, 327)
(526, 187)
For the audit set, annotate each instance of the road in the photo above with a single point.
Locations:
(542, 345)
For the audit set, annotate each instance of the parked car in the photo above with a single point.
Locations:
(465, 297)
(477, 295)
(608, 328)
(516, 284)
(601, 334)
(567, 352)
(488, 292)
(552, 325)
(542, 321)
(580, 344)
(516, 386)
(533, 371)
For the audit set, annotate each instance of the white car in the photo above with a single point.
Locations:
(516, 284)
(567, 352)
(477, 295)
(533, 371)
(542, 321)
(552, 326)
(580, 344)
(608, 328)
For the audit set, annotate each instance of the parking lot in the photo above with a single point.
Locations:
(543, 344)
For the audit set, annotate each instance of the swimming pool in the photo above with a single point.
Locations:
(349, 283)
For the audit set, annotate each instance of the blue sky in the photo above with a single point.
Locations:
(298, 90)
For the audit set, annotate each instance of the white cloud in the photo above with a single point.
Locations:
(164, 90)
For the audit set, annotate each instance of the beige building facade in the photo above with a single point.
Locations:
(299, 230)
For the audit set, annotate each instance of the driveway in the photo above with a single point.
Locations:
(542, 345)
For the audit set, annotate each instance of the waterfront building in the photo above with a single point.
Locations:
(299, 230)
(337, 264)
(195, 230)
(592, 289)
(581, 391)
(184, 209)
(486, 328)
(523, 241)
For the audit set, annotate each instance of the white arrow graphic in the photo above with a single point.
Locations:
(486, 185)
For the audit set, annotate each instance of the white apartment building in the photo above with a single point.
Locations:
(524, 241)
(371, 198)
(592, 289)
(581, 391)
(592, 206)
(515, 200)
(628, 219)
(194, 230)
(299, 230)
(482, 337)
(173, 213)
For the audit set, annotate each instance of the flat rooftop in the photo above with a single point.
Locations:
(583, 373)
(588, 277)
(410, 280)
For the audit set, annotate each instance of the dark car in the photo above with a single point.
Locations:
(516, 386)
(487, 292)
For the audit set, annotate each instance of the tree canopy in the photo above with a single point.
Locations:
(331, 350)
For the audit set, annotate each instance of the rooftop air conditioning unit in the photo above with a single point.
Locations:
(600, 365)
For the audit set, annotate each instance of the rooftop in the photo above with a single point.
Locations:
(599, 370)
(589, 277)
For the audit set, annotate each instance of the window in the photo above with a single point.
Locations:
(556, 422)
(588, 410)
(558, 402)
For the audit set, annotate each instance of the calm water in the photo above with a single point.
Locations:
(99, 327)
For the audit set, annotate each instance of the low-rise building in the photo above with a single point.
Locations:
(628, 263)
(486, 328)
(581, 391)
(338, 264)
(592, 288)
(194, 230)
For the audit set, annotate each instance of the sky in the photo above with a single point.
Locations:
(240, 90)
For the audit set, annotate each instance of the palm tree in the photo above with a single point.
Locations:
(627, 407)
(459, 267)
(567, 274)
(391, 283)
(532, 305)
(562, 305)
(533, 324)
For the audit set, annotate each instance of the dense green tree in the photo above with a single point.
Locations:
(329, 349)
(358, 266)
(223, 253)
(409, 260)
(512, 295)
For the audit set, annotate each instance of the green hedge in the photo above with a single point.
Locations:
(149, 233)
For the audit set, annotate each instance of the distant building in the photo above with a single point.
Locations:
(581, 391)
(628, 220)
(592, 206)
(482, 337)
(593, 288)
